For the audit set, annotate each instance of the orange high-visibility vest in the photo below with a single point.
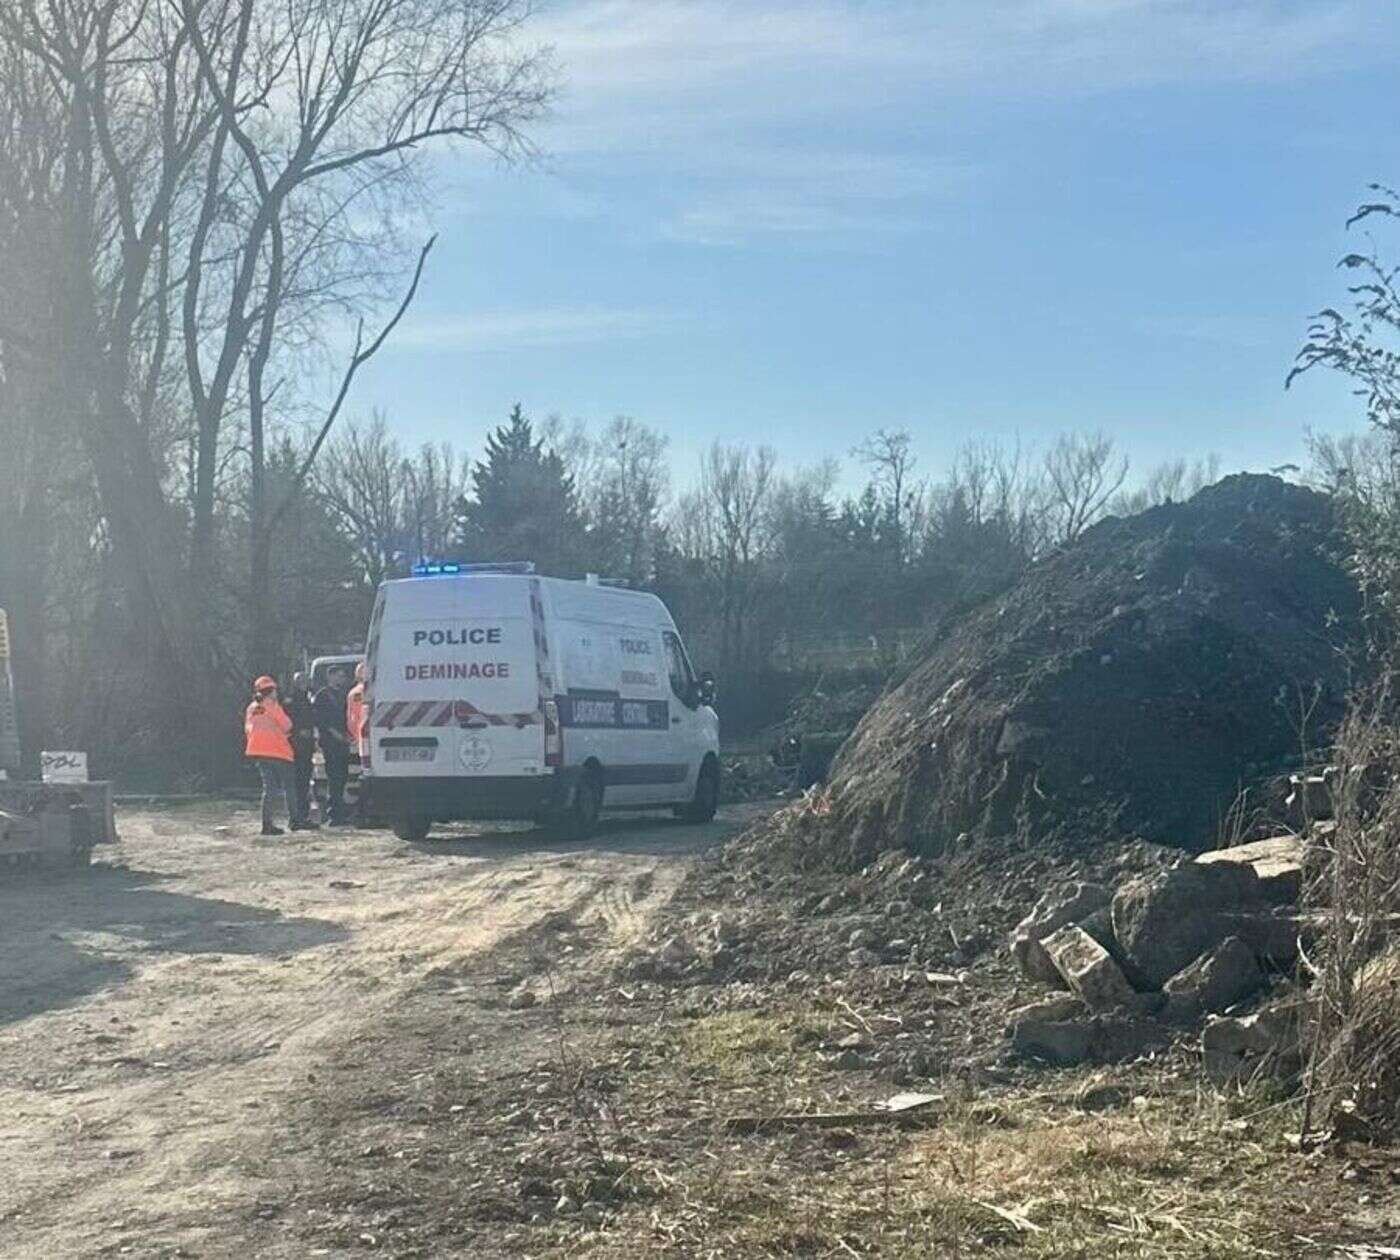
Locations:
(268, 729)
(355, 717)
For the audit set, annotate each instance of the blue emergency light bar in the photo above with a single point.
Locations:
(440, 569)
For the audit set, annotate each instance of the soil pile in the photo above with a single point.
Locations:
(1131, 684)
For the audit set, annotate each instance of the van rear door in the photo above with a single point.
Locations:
(455, 685)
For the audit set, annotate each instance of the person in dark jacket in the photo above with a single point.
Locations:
(328, 708)
(300, 709)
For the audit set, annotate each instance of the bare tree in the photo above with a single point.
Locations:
(623, 484)
(393, 508)
(1080, 475)
(720, 526)
(889, 456)
(1173, 481)
(237, 169)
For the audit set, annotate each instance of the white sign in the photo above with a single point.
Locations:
(63, 767)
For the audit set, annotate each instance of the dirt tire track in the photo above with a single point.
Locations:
(100, 1148)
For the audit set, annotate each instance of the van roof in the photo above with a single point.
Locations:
(572, 587)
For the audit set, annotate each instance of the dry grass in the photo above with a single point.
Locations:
(1158, 1180)
(1171, 1171)
(1354, 1045)
(737, 1043)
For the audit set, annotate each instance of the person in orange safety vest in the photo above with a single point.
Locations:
(268, 734)
(355, 712)
(355, 729)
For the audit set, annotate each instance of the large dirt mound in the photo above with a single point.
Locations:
(1133, 682)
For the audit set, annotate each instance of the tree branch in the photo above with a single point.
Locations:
(363, 354)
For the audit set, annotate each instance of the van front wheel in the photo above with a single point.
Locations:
(705, 803)
(413, 829)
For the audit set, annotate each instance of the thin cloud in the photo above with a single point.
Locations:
(718, 101)
(533, 329)
(728, 56)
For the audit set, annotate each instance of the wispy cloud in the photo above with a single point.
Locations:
(668, 49)
(530, 329)
(761, 113)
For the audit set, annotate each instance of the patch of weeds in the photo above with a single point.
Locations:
(743, 1043)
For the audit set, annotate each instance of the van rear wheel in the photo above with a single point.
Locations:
(705, 803)
(413, 828)
(580, 819)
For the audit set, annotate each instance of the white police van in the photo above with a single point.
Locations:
(497, 693)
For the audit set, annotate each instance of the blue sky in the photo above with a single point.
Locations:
(799, 222)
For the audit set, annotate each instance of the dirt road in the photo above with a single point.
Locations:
(172, 1017)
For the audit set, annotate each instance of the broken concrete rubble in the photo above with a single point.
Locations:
(1088, 969)
(1166, 921)
(1276, 862)
(1054, 1030)
(1062, 1031)
(1056, 909)
(1274, 937)
(1215, 981)
(1240, 1048)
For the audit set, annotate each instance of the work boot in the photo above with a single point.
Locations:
(273, 831)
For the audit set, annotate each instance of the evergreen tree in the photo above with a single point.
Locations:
(523, 503)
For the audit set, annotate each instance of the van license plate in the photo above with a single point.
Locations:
(409, 754)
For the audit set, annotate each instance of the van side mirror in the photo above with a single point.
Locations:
(705, 689)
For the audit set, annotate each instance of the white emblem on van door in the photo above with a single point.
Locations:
(474, 753)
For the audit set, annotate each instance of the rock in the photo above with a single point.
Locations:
(1277, 862)
(521, 1000)
(1054, 1009)
(1088, 969)
(858, 958)
(1273, 937)
(1165, 921)
(1056, 1030)
(1116, 1039)
(1099, 925)
(1213, 982)
(1053, 911)
(1240, 1048)
(828, 904)
(863, 938)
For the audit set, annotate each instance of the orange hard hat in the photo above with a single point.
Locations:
(265, 683)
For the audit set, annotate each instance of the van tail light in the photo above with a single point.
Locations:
(363, 738)
(553, 735)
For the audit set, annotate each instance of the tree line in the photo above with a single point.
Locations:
(778, 576)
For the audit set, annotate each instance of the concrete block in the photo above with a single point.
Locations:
(1088, 969)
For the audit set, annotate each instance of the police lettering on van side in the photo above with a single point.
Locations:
(474, 636)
